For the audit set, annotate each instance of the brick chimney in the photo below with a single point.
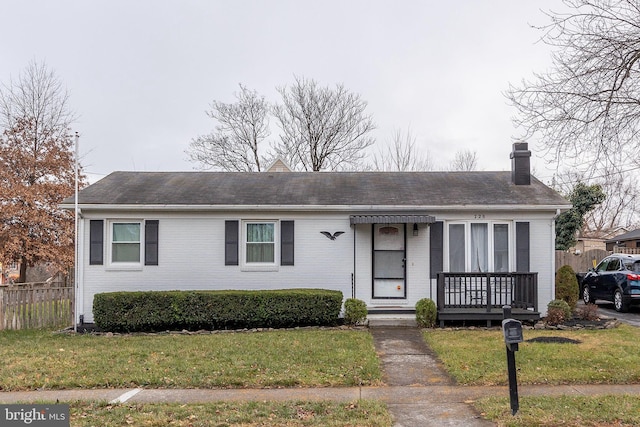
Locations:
(521, 164)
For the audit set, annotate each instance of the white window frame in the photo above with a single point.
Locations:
(260, 266)
(116, 265)
(491, 251)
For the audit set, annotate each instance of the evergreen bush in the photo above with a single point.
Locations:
(355, 311)
(558, 311)
(426, 313)
(567, 287)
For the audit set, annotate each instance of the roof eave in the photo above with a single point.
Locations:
(335, 208)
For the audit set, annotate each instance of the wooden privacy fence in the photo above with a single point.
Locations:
(580, 263)
(35, 305)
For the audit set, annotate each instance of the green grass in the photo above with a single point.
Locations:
(570, 411)
(477, 357)
(360, 413)
(293, 358)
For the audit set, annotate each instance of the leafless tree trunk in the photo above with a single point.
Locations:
(322, 128)
(402, 155)
(464, 160)
(233, 146)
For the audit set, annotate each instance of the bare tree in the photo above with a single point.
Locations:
(402, 155)
(38, 96)
(587, 104)
(322, 127)
(37, 171)
(464, 160)
(233, 146)
(618, 211)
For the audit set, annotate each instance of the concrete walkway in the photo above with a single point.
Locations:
(421, 392)
(418, 391)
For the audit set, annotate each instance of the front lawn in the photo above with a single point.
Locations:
(360, 413)
(569, 411)
(280, 358)
(477, 357)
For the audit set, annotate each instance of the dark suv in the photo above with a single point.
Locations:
(615, 279)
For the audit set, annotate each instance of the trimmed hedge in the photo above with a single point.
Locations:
(194, 310)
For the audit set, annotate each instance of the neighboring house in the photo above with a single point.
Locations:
(382, 237)
(9, 273)
(278, 165)
(628, 242)
(586, 244)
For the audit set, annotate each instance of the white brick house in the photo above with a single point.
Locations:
(378, 236)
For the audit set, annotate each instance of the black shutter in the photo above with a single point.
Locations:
(231, 243)
(522, 247)
(436, 251)
(96, 246)
(151, 242)
(286, 242)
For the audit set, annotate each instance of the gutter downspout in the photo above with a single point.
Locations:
(353, 275)
(76, 243)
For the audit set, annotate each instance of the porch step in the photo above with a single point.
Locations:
(400, 320)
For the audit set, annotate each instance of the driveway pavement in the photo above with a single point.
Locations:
(606, 309)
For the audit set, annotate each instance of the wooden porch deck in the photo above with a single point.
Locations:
(481, 296)
(481, 314)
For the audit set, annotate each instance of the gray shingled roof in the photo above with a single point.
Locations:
(629, 235)
(317, 188)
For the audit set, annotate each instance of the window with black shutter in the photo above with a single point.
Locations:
(522, 247)
(151, 242)
(231, 242)
(96, 241)
(287, 242)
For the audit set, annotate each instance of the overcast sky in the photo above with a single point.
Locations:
(142, 73)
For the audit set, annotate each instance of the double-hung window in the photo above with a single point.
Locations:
(125, 243)
(129, 243)
(260, 243)
(479, 247)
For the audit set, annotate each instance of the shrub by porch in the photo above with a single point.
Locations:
(194, 310)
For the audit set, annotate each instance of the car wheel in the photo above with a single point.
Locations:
(618, 302)
(586, 297)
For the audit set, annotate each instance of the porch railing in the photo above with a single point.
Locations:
(35, 305)
(487, 290)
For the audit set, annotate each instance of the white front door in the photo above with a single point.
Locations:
(389, 261)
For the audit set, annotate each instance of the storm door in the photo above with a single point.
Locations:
(389, 259)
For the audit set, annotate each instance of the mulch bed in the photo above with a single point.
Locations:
(577, 324)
